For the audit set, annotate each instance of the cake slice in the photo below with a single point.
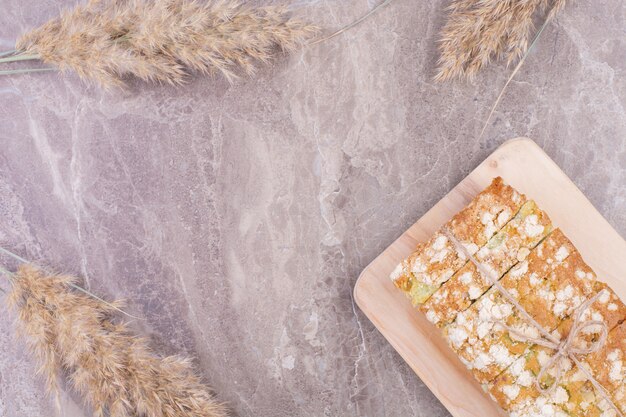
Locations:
(559, 403)
(570, 284)
(554, 300)
(583, 399)
(542, 406)
(517, 384)
(519, 281)
(574, 395)
(494, 349)
(608, 309)
(609, 363)
(436, 260)
(619, 398)
(528, 274)
(465, 286)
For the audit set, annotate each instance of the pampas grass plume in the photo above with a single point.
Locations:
(478, 31)
(70, 333)
(162, 41)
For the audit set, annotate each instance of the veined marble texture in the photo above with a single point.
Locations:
(236, 218)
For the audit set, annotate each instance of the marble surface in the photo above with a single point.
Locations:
(236, 218)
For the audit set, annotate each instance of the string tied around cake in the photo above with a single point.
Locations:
(565, 348)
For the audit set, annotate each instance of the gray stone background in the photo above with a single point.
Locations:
(236, 218)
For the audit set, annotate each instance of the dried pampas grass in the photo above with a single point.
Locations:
(117, 374)
(478, 31)
(161, 40)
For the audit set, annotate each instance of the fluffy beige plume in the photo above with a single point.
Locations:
(164, 40)
(478, 31)
(117, 374)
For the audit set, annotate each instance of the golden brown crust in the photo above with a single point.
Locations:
(550, 280)
(550, 253)
(508, 247)
(609, 363)
(567, 287)
(435, 261)
(498, 200)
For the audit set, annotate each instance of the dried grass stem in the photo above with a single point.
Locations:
(163, 41)
(116, 372)
(478, 31)
(20, 57)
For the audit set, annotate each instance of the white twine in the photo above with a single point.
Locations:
(562, 348)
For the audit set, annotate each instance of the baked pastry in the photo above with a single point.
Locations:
(436, 261)
(506, 290)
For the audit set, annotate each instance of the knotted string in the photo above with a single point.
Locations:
(562, 348)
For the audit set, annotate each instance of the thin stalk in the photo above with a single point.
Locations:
(76, 287)
(13, 255)
(6, 272)
(26, 71)
(508, 81)
(92, 295)
(5, 53)
(353, 24)
(20, 57)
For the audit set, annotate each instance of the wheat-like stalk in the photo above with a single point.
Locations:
(118, 375)
(161, 40)
(478, 31)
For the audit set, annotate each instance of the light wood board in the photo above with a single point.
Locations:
(523, 165)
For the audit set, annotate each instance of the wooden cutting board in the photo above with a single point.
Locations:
(523, 165)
